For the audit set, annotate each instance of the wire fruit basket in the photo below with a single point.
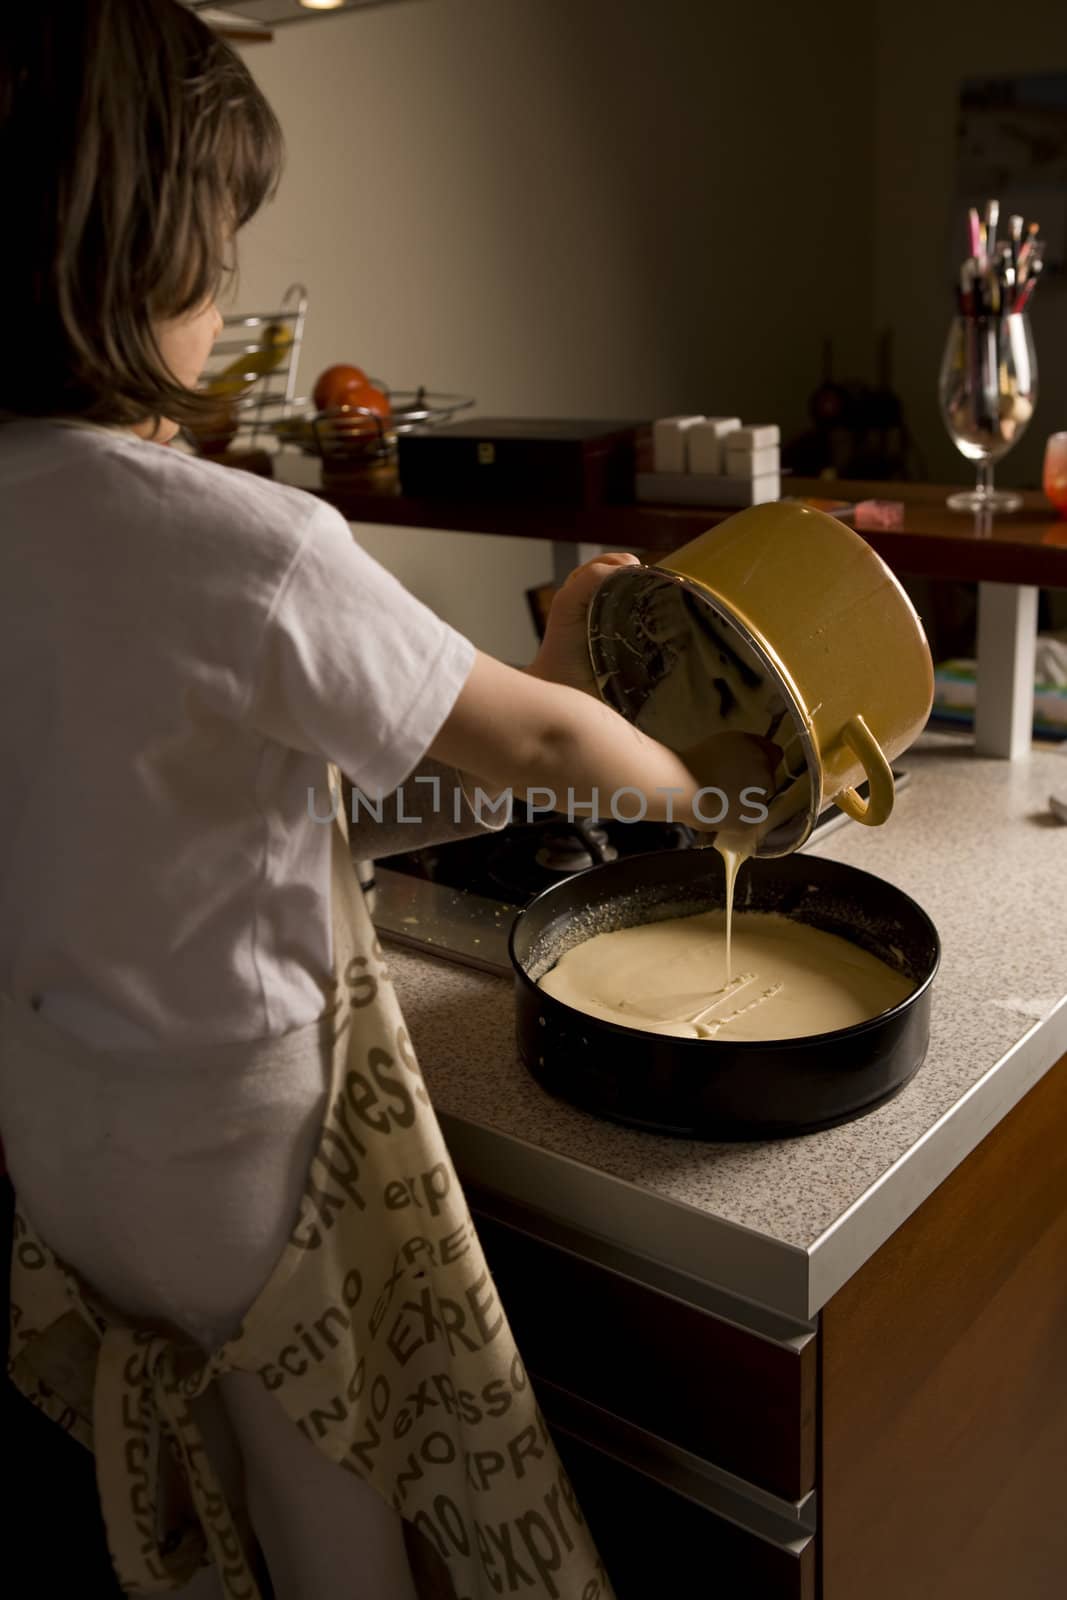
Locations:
(355, 435)
(253, 375)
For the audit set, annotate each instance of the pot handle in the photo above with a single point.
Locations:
(865, 746)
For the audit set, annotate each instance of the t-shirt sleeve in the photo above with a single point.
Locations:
(351, 666)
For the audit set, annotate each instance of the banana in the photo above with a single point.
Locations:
(233, 380)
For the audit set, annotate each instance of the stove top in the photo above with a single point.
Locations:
(459, 900)
(522, 859)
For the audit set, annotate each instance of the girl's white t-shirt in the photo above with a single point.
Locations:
(183, 649)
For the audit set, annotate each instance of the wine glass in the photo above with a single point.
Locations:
(988, 391)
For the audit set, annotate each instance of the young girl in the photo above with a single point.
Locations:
(185, 651)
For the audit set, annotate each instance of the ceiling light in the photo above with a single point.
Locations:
(322, 5)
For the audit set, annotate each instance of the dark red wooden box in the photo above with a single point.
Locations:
(529, 459)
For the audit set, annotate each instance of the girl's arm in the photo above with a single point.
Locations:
(547, 729)
(520, 732)
(432, 806)
(449, 811)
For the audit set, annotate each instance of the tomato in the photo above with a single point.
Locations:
(335, 386)
(348, 386)
(368, 398)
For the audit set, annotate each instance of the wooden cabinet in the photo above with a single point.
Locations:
(932, 1400)
(944, 1384)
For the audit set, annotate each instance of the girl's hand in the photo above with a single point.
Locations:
(564, 653)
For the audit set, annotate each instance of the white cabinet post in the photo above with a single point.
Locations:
(1007, 639)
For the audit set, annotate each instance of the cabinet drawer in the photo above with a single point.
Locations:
(731, 1396)
(657, 1542)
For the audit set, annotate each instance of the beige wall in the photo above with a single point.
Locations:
(613, 207)
(924, 53)
(570, 207)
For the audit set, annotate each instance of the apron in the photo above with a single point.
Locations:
(379, 1333)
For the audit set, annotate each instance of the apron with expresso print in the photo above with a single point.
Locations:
(379, 1333)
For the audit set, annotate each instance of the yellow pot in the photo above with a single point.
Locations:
(780, 622)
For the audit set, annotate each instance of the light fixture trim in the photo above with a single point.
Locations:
(248, 14)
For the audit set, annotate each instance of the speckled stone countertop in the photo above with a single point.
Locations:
(785, 1223)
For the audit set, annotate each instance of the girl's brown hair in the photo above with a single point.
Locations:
(134, 143)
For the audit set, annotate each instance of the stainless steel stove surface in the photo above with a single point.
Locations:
(458, 900)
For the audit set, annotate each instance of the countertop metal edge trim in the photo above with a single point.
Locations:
(750, 1265)
(874, 1217)
(754, 1320)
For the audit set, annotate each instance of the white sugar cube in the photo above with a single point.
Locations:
(758, 437)
(741, 462)
(705, 441)
(669, 442)
(765, 488)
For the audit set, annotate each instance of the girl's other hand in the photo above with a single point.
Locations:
(564, 653)
(742, 769)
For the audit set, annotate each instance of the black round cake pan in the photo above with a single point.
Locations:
(710, 1088)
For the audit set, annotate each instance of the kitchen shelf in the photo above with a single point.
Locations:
(1029, 547)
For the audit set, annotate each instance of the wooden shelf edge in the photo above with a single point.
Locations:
(919, 552)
